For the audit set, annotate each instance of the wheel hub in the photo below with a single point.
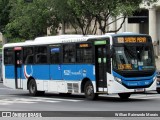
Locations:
(90, 90)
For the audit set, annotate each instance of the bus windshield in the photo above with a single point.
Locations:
(135, 57)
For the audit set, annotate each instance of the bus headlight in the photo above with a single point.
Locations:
(118, 79)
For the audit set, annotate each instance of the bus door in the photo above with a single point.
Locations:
(18, 67)
(101, 67)
(55, 59)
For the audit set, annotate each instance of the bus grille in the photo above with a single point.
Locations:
(73, 87)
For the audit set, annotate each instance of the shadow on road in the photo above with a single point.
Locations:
(82, 97)
(106, 98)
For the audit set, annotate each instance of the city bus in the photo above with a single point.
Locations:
(75, 64)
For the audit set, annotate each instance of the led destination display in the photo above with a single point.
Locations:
(131, 40)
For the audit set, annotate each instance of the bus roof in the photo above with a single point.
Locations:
(55, 40)
(67, 38)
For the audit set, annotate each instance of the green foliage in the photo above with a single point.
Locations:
(102, 10)
(4, 14)
(29, 1)
(28, 21)
(21, 20)
(14, 40)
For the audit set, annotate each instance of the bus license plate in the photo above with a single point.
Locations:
(139, 90)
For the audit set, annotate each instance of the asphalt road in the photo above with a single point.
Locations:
(77, 105)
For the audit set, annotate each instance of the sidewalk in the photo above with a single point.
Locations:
(158, 63)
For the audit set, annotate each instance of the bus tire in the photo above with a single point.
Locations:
(124, 95)
(89, 91)
(33, 88)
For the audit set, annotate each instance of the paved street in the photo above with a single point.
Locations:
(158, 63)
(18, 100)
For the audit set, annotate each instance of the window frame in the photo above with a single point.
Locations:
(24, 58)
(91, 47)
(47, 54)
(74, 53)
(12, 55)
(60, 53)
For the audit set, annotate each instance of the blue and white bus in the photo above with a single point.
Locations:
(96, 64)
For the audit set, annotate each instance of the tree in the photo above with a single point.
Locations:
(4, 14)
(64, 14)
(85, 11)
(29, 20)
(29, 1)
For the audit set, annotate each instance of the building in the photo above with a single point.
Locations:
(147, 21)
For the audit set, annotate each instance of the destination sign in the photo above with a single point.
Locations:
(100, 42)
(83, 45)
(131, 39)
(124, 66)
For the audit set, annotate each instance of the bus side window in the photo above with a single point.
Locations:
(55, 55)
(84, 54)
(29, 59)
(8, 56)
(28, 56)
(41, 58)
(69, 53)
(41, 54)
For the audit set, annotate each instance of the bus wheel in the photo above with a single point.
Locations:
(89, 91)
(33, 88)
(124, 95)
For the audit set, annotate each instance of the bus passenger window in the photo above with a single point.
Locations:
(28, 56)
(55, 55)
(69, 53)
(41, 54)
(8, 56)
(84, 53)
(29, 59)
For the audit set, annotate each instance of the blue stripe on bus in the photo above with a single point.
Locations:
(135, 81)
(78, 72)
(40, 72)
(9, 72)
(132, 78)
(54, 72)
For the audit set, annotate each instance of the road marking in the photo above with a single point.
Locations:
(146, 97)
(69, 100)
(14, 99)
(141, 96)
(12, 89)
(45, 98)
(138, 96)
(7, 88)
